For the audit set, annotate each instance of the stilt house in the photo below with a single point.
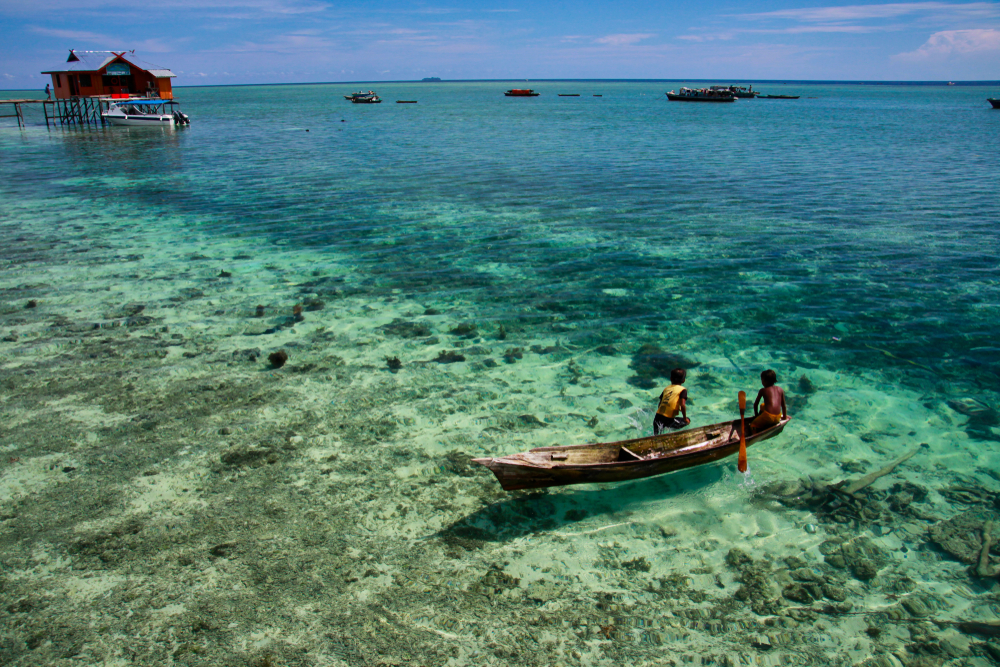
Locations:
(111, 74)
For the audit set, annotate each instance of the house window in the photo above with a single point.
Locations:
(85, 81)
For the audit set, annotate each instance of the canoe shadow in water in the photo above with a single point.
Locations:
(537, 512)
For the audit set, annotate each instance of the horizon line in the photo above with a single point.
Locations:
(911, 82)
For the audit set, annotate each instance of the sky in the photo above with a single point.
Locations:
(215, 42)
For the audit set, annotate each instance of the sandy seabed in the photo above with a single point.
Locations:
(169, 496)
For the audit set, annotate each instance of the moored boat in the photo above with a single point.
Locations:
(742, 92)
(619, 461)
(994, 102)
(521, 92)
(701, 95)
(360, 95)
(144, 113)
(373, 99)
(780, 97)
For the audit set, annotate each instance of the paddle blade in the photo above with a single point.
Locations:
(743, 401)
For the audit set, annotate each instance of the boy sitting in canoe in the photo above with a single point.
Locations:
(774, 405)
(673, 400)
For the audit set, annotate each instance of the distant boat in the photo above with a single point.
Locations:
(951, 83)
(994, 102)
(701, 95)
(569, 94)
(360, 95)
(779, 97)
(742, 92)
(521, 92)
(368, 99)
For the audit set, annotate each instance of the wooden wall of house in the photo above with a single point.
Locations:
(87, 84)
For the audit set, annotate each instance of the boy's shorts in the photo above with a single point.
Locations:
(764, 421)
(661, 424)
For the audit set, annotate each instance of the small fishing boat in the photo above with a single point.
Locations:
(780, 97)
(994, 102)
(373, 99)
(521, 92)
(701, 95)
(619, 461)
(144, 113)
(360, 95)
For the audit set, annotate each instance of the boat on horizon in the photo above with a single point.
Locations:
(620, 461)
(701, 95)
(742, 92)
(361, 97)
(521, 92)
(144, 113)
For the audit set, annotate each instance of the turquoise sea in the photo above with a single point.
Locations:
(536, 266)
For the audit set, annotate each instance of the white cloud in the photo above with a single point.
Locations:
(623, 39)
(708, 37)
(949, 43)
(247, 7)
(78, 35)
(868, 12)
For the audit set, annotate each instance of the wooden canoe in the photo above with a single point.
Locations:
(619, 461)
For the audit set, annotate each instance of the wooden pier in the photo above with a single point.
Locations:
(18, 111)
(78, 111)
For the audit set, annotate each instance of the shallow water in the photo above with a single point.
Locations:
(847, 239)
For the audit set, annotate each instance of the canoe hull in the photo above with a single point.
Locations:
(514, 474)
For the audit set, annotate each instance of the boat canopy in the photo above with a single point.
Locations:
(143, 102)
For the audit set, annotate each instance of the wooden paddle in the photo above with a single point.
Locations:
(742, 463)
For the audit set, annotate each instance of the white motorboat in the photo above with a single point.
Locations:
(145, 113)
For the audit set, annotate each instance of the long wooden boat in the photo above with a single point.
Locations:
(701, 95)
(995, 103)
(521, 92)
(619, 461)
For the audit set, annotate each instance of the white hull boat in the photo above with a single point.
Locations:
(144, 113)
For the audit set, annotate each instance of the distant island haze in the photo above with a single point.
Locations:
(309, 41)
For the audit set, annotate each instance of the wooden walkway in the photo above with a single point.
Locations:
(77, 111)
(19, 113)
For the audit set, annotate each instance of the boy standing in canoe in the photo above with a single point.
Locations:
(673, 400)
